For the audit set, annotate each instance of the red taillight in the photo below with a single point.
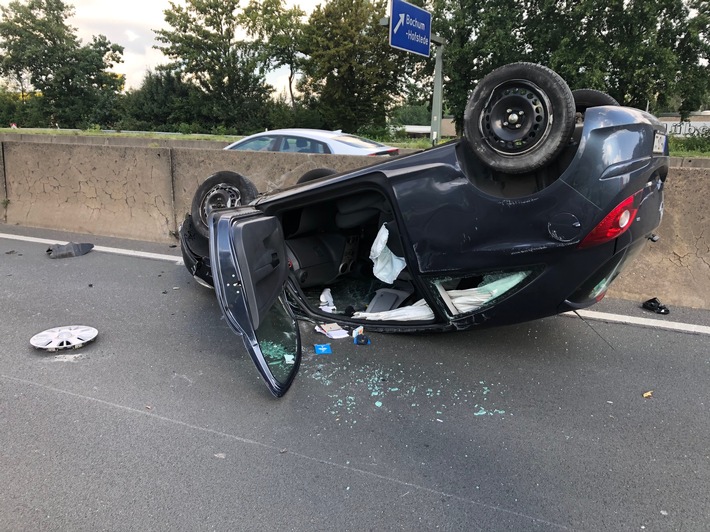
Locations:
(392, 152)
(614, 224)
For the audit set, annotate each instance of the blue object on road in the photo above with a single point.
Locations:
(323, 349)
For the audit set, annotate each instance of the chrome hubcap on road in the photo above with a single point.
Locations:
(69, 337)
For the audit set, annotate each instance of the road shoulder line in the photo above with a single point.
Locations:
(104, 249)
(643, 322)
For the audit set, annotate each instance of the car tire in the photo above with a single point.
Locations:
(316, 173)
(223, 190)
(519, 118)
(586, 98)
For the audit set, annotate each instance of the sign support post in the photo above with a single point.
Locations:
(410, 30)
(436, 105)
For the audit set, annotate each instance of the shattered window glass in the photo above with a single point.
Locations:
(278, 341)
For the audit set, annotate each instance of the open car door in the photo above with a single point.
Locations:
(250, 269)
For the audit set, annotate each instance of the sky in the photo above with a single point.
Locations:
(130, 23)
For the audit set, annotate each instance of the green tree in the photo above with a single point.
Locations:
(643, 52)
(280, 30)
(10, 105)
(42, 55)
(163, 102)
(203, 47)
(349, 67)
(412, 115)
(693, 84)
(481, 35)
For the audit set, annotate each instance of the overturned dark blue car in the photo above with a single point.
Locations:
(534, 212)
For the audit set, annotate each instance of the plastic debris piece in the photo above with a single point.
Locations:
(386, 265)
(655, 305)
(387, 299)
(648, 394)
(358, 330)
(72, 249)
(69, 337)
(323, 349)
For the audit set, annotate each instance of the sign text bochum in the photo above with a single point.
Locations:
(410, 28)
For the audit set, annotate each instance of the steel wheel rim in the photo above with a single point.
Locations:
(219, 197)
(516, 118)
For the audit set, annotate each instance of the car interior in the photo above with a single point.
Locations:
(329, 245)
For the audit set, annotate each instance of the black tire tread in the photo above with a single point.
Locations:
(586, 98)
(563, 118)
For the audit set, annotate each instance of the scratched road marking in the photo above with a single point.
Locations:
(116, 251)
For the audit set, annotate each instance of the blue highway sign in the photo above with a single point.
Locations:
(410, 28)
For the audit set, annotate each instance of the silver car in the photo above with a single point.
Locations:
(301, 140)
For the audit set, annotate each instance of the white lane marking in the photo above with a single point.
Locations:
(590, 314)
(116, 251)
(644, 322)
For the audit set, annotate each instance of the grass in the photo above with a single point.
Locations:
(683, 153)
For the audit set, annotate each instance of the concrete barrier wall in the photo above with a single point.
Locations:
(676, 269)
(131, 192)
(144, 192)
(123, 192)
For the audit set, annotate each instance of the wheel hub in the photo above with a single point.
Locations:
(219, 197)
(516, 118)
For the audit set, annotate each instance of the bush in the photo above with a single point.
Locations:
(379, 133)
(693, 143)
(187, 129)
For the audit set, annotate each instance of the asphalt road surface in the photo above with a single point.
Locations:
(163, 423)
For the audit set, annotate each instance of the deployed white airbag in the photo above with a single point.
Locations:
(387, 265)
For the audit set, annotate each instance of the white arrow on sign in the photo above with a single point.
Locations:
(401, 21)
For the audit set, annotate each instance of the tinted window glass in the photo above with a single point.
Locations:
(258, 144)
(303, 145)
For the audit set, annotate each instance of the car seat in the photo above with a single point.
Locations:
(302, 146)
